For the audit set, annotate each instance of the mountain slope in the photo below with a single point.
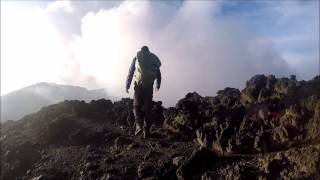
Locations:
(268, 130)
(30, 99)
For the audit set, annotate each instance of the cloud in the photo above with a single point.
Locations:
(199, 51)
(57, 5)
(292, 26)
(31, 48)
(299, 44)
(67, 14)
(72, 74)
(202, 48)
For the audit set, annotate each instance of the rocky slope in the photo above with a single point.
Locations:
(30, 99)
(269, 130)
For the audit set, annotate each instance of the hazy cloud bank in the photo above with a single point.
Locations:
(201, 50)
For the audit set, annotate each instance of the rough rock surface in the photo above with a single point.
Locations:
(268, 130)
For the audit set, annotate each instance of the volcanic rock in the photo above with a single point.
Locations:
(268, 130)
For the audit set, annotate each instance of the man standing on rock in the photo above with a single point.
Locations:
(145, 68)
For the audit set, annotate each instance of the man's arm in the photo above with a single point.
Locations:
(130, 74)
(158, 79)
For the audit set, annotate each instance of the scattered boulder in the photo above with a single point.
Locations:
(228, 97)
(219, 134)
(190, 113)
(254, 87)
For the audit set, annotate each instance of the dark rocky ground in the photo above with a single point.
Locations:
(269, 130)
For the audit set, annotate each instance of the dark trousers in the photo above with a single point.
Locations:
(142, 105)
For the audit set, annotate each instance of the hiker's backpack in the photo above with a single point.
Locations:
(146, 65)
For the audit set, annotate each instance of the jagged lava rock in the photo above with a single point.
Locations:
(268, 130)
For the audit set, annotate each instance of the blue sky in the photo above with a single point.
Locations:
(285, 19)
(83, 42)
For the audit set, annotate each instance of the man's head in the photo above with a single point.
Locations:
(145, 48)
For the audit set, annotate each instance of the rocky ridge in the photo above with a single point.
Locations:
(268, 130)
(32, 98)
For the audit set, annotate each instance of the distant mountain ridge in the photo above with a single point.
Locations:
(31, 98)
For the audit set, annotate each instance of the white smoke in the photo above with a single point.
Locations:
(92, 45)
(198, 53)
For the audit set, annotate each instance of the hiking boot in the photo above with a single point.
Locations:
(138, 130)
